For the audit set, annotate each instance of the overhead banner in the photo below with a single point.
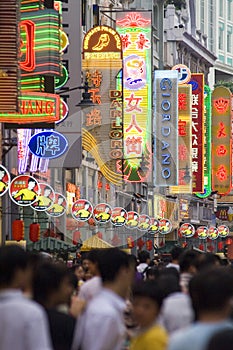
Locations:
(207, 144)
(184, 141)
(221, 132)
(135, 31)
(102, 134)
(166, 128)
(197, 82)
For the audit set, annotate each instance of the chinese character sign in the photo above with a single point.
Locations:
(221, 140)
(166, 128)
(184, 141)
(102, 130)
(207, 143)
(135, 31)
(197, 83)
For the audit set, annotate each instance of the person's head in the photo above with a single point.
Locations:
(47, 191)
(188, 261)
(116, 270)
(221, 340)
(144, 256)
(122, 212)
(152, 273)
(85, 262)
(211, 291)
(93, 261)
(147, 300)
(31, 184)
(176, 253)
(107, 209)
(207, 260)
(14, 271)
(52, 284)
(86, 206)
(169, 283)
(2, 174)
(79, 271)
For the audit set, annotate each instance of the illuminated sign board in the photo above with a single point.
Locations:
(166, 128)
(184, 141)
(197, 82)
(48, 144)
(207, 144)
(221, 140)
(135, 31)
(102, 134)
(40, 43)
(35, 107)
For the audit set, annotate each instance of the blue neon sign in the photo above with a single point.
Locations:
(48, 144)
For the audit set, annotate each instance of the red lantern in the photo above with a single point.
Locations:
(210, 248)
(201, 246)
(18, 230)
(220, 245)
(76, 237)
(140, 243)
(91, 222)
(130, 242)
(228, 241)
(149, 245)
(34, 232)
(99, 234)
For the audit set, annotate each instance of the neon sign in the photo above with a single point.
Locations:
(207, 143)
(184, 140)
(40, 43)
(221, 140)
(135, 31)
(166, 125)
(197, 82)
(35, 107)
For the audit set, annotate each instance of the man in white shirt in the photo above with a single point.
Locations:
(102, 327)
(23, 323)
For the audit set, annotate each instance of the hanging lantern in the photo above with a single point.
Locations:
(140, 243)
(149, 245)
(229, 241)
(76, 237)
(220, 245)
(210, 247)
(18, 230)
(34, 232)
(130, 242)
(201, 246)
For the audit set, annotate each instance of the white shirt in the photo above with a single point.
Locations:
(23, 323)
(90, 289)
(101, 327)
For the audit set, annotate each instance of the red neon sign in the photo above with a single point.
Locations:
(29, 62)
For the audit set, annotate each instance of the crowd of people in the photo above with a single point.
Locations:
(112, 300)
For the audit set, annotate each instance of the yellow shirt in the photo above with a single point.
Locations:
(153, 338)
(26, 194)
(57, 208)
(103, 216)
(43, 201)
(83, 213)
(2, 186)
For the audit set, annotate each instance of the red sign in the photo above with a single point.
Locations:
(221, 140)
(197, 82)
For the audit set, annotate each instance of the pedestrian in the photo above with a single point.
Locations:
(101, 327)
(175, 254)
(147, 300)
(211, 291)
(221, 340)
(144, 260)
(52, 287)
(188, 262)
(23, 323)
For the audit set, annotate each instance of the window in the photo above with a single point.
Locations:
(221, 36)
(229, 38)
(221, 8)
(229, 10)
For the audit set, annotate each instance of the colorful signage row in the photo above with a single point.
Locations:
(187, 230)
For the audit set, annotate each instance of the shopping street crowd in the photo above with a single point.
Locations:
(115, 301)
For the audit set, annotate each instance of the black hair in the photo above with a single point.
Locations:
(211, 289)
(111, 260)
(168, 283)
(207, 260)
(31, 180)
(12, 258)
(176, 252)
(143, 256)
(152, 271)
(221, 340)
(148, 289)
(187, 259)
(48, 188)
(47, 279)
(94, 255)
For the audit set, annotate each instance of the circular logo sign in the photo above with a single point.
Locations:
(82, 210)
(144, 223)
(202, 232)
(4, 180)
(154, 227)
(24, 190)
(59, 206)
(184, 74)
(165, 226)
(213, 232)
(187, 230)
(119, 216)
(45, 199)
(223, 231)
(102, 213)
(133, 220)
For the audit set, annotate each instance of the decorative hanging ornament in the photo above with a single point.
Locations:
(18, 230)
(223, 231)
(165, 226)
(187, 230)
(202, 232)
(213, 233)
(34, 232)
(82, 210)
